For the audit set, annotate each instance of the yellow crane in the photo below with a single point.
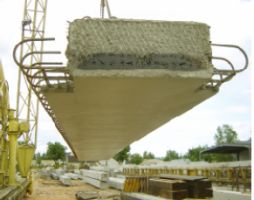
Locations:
(33, 26)
(11, 129)
(21, 124)
(31, 54)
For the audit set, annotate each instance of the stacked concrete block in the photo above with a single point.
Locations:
(96, 178)
(116, 182)
(85, 195)
(55, 174)
(73, 176)
(65, 180)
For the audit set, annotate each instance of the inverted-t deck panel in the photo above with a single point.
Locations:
(130, 77)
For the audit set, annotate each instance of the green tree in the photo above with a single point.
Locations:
(123, 155)
(171, 155)
(148, 155)
(193, 154)
(56, 152)
(225, 134)
(136, 159)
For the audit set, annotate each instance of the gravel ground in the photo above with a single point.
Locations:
(54, 190)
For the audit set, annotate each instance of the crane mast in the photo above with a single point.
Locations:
(33, 29)
(33, 26)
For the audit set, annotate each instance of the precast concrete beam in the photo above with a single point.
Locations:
(130, 77)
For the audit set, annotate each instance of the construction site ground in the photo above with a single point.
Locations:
(49, 189)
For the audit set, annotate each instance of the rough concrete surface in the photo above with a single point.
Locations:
(132, 44)
(99, 175)
(96, 183)
(117, 183)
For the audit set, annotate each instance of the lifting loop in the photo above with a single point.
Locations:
(105, 5)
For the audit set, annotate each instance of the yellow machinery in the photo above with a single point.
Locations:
(18, 130)
(11, 130)
(21, 124)
(4, 105)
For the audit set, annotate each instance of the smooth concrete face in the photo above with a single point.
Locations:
(104, 114)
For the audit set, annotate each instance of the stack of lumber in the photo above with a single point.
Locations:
(171, 189)
(200, 189)
(197, 186)
(96, 178)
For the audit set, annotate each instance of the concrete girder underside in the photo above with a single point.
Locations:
(110, 109)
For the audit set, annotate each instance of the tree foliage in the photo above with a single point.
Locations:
(194, 154)
(136, 159)
(148, 155)
(55, 151)
(171, 155)
(123, 155)
(225, 134)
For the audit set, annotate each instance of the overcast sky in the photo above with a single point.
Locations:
(230, 22)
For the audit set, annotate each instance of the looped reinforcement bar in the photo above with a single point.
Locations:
(222, 75)
(44, 75)
(241, 51)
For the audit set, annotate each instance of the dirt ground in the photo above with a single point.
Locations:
(54, 190)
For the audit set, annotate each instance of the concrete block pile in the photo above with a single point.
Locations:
(96, 178)
(116, 182)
